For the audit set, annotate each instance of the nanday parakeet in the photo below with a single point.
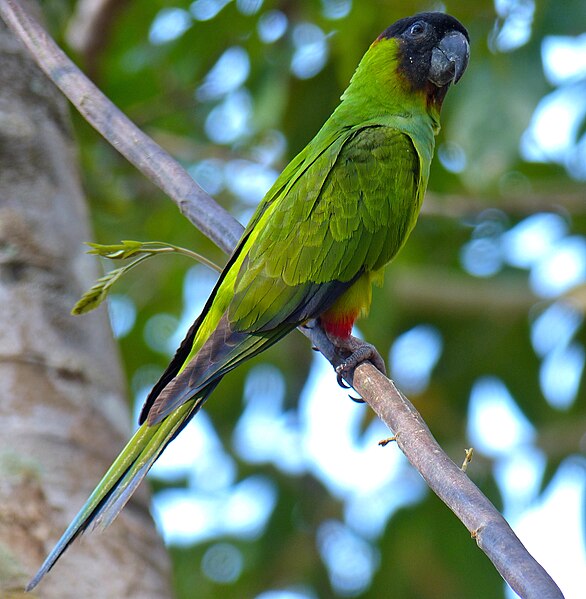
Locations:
(334, 218)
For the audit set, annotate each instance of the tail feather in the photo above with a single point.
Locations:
(122, 479)
(222, 352)
(131, 479)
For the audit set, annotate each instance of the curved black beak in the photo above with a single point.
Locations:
(449, 59)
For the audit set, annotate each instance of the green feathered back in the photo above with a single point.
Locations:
(348, 214)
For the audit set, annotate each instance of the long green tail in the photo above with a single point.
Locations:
(122, 479)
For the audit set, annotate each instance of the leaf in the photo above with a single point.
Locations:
(119, 251)
(92, 298)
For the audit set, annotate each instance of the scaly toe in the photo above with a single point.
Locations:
(362, 352)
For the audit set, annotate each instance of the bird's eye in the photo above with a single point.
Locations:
(418, 29)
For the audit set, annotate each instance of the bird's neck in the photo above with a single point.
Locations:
(379, 91)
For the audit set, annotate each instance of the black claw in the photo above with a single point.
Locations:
(356, 399)
(341, 381)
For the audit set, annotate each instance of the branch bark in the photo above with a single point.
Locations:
(491, 532)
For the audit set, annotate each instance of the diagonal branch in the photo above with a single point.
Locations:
(492, 533)
(137, 147)
(486, 525)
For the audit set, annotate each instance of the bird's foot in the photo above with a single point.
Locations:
(355, 351)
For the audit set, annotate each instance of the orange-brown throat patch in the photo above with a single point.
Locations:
(435, 95)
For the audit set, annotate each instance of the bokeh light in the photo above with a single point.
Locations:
(169, 24)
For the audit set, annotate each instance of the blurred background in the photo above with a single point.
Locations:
(278, 489)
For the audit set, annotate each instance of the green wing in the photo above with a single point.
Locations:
(330, 217)
(349, 213)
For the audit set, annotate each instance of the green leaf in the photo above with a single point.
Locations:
(92, 298)
(118, 251)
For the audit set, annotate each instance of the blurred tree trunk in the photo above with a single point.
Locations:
(62, 400)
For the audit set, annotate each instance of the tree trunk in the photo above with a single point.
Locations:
(63, 409)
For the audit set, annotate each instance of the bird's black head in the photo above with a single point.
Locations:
(433, 49)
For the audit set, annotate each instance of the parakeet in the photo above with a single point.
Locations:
(322, 235)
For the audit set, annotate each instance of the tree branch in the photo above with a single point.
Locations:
(492, 533)
(137, 147)
(486, 525)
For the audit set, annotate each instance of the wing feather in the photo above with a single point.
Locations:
(348, 214)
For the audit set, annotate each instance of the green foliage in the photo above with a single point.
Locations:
(485, 322)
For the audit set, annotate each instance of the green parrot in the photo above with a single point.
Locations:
(322, 235)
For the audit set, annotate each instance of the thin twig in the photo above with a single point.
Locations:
(455, 489)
